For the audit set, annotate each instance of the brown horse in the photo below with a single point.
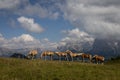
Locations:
(47, 53)
(60, 54)
(89, 56)
(32, 54)
(73, 55)
(98, 59)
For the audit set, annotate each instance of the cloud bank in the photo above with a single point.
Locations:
(98, 18)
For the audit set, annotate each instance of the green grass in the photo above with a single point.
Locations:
(21, 69)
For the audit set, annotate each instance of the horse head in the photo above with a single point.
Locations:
(68, 51)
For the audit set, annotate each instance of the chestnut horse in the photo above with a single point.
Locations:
(98, 59)
(32, 54)
(47, 53)
(60, 54)
(89, 56)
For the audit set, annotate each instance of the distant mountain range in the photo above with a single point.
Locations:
(107, 48)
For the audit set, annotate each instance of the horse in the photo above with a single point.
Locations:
(83, 55)
(47, 53)
(32, 54)
(60, 54)
(89, 56)
(98, 59)
(72, 55)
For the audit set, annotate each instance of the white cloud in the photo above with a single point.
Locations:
(99, 18)
(1, 38)
(30, 25)
(27, 41)
(24, 37)
(23, 41)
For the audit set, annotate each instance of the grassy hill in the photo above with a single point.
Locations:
(21, 69)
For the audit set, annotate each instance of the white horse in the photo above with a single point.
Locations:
(47, 53)
(60, 54)
(32, 54)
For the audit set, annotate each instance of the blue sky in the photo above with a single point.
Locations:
(51, 23)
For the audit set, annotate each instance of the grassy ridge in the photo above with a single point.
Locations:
(20, 69)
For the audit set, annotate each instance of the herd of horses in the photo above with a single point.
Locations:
(95, 59)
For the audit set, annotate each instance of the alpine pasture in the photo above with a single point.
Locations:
(37, 69)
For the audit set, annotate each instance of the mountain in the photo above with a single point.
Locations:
(76, 47)
(106, 47)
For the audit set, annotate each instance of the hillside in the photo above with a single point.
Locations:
(21, 69)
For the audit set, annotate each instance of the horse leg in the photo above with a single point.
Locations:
(96, 61)
(82, 59)
(102, 62)
(45, 57)
(90, 60)
(59, 57)
(72, 58)
(65, 57)
(51, 57)
(32, 57)
(77, 58)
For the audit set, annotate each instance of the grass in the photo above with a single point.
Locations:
(21, 69)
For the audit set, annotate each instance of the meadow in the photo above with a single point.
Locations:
(23, 69)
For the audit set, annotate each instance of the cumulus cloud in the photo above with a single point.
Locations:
(24, 38)
(98, 18)
(27, 41)
(30, 25)
(23, 41)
